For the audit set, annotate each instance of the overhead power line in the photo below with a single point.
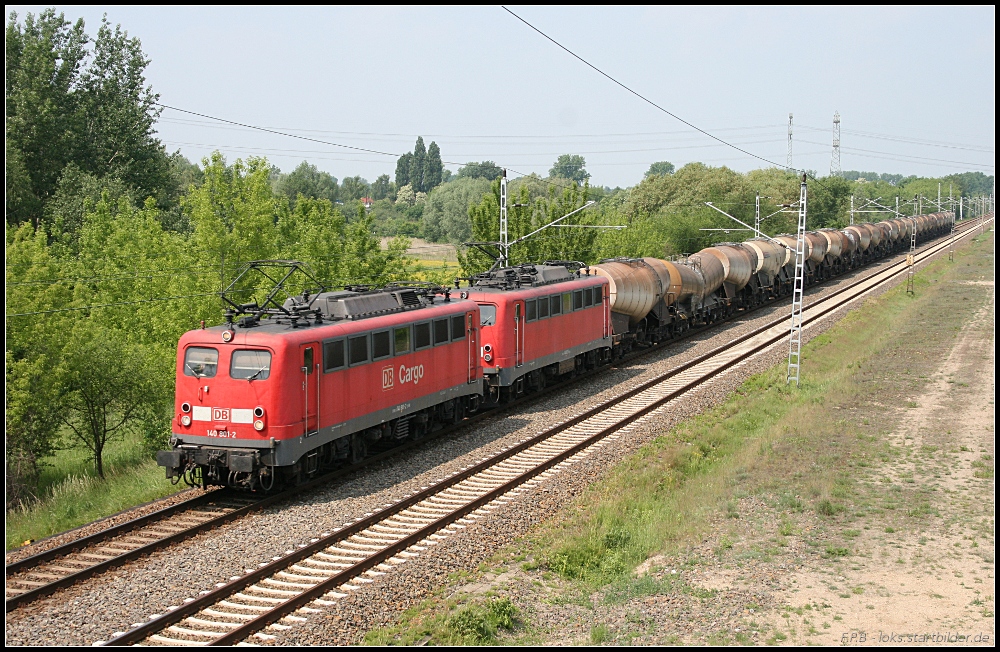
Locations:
(636, 93)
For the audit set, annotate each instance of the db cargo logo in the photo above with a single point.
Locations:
(220, 414)
(411, 374)
(386, 378)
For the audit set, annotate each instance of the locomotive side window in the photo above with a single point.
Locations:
(487, 314)
(530, 310)
(567, 301)
(381, 345)
(588, 297)
(307, 361)
(422, 335)
(441, 331)
(333, 355)
(358, 349)
(556, 305)
(201, 362)
(402, 340)
(577, 299)
(543, 307)
(252, 365)
(457, 328)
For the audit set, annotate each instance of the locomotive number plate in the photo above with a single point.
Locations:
(226, 434)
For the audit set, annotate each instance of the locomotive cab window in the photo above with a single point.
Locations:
(530, 310)
(401, 337)
(201, 362)
(578, 300)
(251, 364)
(567, 302)
(555, 305)
(440, 331)
(358, 349)
(487, 314)
(333, 355)
(381, 345)
(543, 307)
(421, 335)
(457, 328)
(308, 362)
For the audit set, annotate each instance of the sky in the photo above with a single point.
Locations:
(914, 86)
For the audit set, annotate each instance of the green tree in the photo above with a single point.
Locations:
(381, 187)
(307, 180)
(315, 233)
(44, 59)
(432, 167)
(570, 166)
(417, 166)
(353, 188)
(364, 259)
(403, 166)
(446, 214)
(661, 168)
(109, 389)
(485, 170)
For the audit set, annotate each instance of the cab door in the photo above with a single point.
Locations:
(518, 333)
(472, 335)
(309, 355)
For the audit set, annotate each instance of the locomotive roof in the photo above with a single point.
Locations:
(526, 276)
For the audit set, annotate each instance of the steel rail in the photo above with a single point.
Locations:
(817, 310)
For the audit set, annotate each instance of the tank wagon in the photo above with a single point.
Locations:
(283, 390)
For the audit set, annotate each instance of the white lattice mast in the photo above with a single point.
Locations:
(795, 337)
(788, 160)
(504, 246)
(835, 161)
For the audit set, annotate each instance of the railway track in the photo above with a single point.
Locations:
(310, 576)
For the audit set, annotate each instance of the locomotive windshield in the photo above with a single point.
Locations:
(201, 362)
(249, 364)
(487, 314)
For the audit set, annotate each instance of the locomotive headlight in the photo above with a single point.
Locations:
(488, 357)
(258, 412)
(227, 336)
(258, 425)
(185, 420)
(185, 407)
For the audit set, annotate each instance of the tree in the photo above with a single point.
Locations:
(381, 187)
(405, 195)
(70, 105)
(446, 215)
(570, 166)
(432, 167)
(403, 166)
(486, 170)
(354, 188)
(417, 166)
(661, 168)
(109, 389)
(308, 181)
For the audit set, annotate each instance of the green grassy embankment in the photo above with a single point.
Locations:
(72, 495)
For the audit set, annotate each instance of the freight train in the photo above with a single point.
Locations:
(277, 394)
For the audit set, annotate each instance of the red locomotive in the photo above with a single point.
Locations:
(319, 380)
(539, 322)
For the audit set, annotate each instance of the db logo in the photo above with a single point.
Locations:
(386, 377)
(220, 414)
(408, 374)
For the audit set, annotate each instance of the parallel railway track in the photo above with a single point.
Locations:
(313, 575)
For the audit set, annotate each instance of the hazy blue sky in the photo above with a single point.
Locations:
(915, 86)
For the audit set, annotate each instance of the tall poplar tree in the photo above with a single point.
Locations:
(432, 167)
(417, 166)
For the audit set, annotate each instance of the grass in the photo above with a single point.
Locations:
(462, 624)
(73, 495)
